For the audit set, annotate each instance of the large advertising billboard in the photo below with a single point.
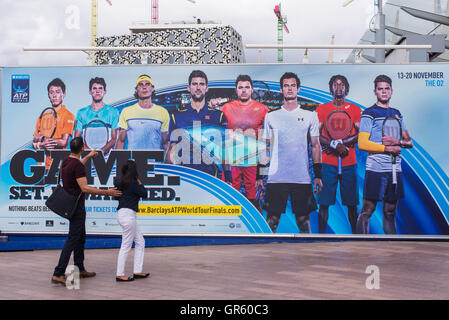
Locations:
(241, 164)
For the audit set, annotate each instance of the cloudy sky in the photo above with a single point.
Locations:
(63, 23)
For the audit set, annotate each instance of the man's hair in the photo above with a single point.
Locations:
(135, 91)
(382, 78)
(97, 80)
(76, 145)
(243, 77)
(197, 74)
(56, 83)
(290, 75)
(342, 78)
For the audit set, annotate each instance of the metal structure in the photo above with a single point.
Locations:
(87, 49)
(360, 47)
(411, 22)
(281, 25)
(94, 23)
(218, 44)
(331, 51)
(155, 11)
(379, 26)
(339, 46)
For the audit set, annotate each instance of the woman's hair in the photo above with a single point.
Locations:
(129, 173)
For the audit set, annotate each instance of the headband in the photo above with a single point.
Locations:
(142, 78)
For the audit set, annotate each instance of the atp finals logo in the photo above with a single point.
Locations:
(20, 88)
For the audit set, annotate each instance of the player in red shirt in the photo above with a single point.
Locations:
(335, 149)
(245, 116)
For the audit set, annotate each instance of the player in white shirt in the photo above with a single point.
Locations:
(288, 131)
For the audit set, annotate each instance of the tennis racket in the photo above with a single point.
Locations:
(257, 200)
(96, 134)
(338, 127)
(259, 192)
(392, 127)
(261, 92)
(47, 123)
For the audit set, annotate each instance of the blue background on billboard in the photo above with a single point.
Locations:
(424, 211)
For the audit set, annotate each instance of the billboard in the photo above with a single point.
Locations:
(183, 200)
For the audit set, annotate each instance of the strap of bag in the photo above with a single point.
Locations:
(59, 173)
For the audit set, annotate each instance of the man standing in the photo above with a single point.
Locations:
(379, 184)
(144, 124)
(98, 110)
(287, 130)
(188, 148)
(245, 116)
(65, 121)
(338, 150)
(73, 174)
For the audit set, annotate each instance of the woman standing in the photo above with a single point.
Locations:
(133, 190)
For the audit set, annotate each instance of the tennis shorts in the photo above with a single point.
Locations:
(248, 175)
(348, 185)
(379, 186)
(301, 197)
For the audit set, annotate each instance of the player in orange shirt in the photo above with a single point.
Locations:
(338, 150)
(245, 116)
(63, 127)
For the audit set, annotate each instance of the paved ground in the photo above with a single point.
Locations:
(278, 271)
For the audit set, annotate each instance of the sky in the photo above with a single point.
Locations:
(66, 23)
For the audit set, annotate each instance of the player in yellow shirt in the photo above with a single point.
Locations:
(144, 124)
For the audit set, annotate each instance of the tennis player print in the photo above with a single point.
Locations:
(288, 131)
(339, 126)
(144, 125)
(382, 134)
(98, 122)
(54, 125)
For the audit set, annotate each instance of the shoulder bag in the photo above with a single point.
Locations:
(61, 202)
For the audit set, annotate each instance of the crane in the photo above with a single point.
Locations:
(331, 51)
(94, 24)
(155, 11)
(94, 21)
(282, 25)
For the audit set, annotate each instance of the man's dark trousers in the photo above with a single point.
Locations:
(75, 242)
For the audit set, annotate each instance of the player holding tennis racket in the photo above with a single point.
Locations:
(339, 124)
(379, 135)
(54, 125)
(98, 122)
(392, 128)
